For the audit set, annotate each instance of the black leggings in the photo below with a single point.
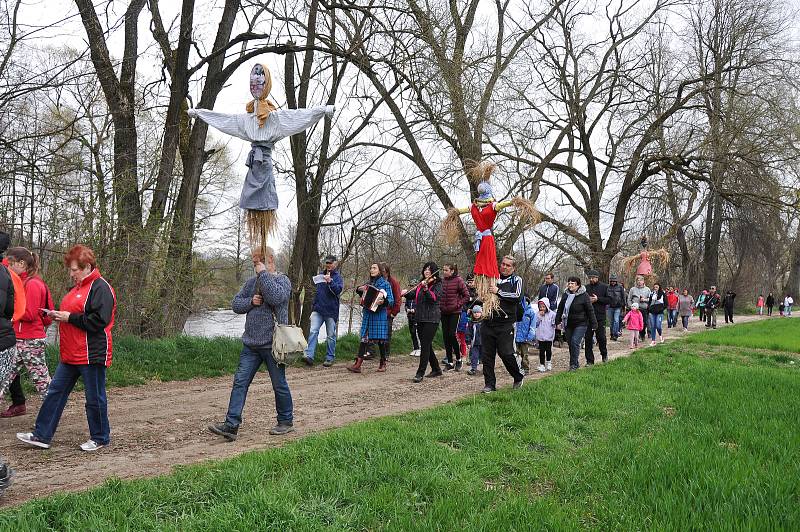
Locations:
(545, 351)
(426, 332)
(449, 328)
(382, 346)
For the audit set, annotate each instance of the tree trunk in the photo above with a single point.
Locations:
(793, 284)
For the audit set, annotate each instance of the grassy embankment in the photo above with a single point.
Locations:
(138, 361)
(678, 437)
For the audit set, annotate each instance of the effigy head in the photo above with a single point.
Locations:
(260, 81)
(485, 191)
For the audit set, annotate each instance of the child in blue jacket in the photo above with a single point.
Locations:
(525, 336)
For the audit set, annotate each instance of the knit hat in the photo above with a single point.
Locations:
(634, 306)
(477, 308)
(485, 191)
(613, 277)
(592, 273)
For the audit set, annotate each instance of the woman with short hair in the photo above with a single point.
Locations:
(85, 319)
(576, 315)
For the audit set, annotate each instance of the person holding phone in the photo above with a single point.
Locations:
(85, 319)
(30, 330)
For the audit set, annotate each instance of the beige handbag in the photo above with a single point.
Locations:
(288, 342)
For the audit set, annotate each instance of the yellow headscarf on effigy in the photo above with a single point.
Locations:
(260, 87)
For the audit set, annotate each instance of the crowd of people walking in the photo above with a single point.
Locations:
(527, 322)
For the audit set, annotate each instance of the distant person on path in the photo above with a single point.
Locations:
(780, 308)
(713, 302)
(685, 305)
(787, 305)
(85, 320)
(428, 293)
(616, 305)
(760, 304)
(672, 307)
(727, 304)
(634, 322)
(576, 316)
(325, 310)
(655, 310)
(454, 296)
(545, 334)
(374, 318)
(598, 295)
(497, 332)
(770, 303)
(410, 296)
(639, 294)
(525, 335)
(701, 305)
(263, 298)
(473, 338)
(30, 330)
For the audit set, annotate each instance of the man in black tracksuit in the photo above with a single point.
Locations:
(598, 295)
(497, 331)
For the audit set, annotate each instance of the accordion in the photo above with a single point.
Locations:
(372, 298)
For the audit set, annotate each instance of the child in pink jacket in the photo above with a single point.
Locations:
(634, 322)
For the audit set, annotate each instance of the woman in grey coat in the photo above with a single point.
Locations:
(640, 294)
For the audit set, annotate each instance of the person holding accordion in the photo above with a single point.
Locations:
(376, 294)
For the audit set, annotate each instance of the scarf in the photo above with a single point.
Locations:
(568, 304)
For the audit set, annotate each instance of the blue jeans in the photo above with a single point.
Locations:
(64, 379)
(613, 317)
(574, 337)
(672, 320)
(313, 335)
(250, 360)
(654, 324)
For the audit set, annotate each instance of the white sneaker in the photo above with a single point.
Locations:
(30, 439)
(660, 338)
(90, 446)
(652, 343)
(542, 369)
(549, 366)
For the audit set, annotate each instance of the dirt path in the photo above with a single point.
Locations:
(158, 426)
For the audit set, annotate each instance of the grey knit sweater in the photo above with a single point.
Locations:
(259, 325)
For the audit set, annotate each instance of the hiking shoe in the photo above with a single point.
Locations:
(517, 384)
(227, 431)
(434, 374)
(605, 359)
(327, 363)
(541, 368)
(281, 428)
(458, 365)
(309, 361)
(14, 411)
(471, 371)
(31, 439)
(417, 378)
(573, 368)
(487, 389)
(91, 445)
(549, 366)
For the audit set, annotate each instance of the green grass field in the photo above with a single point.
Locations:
(139, 361)
(678, 437)
(777, 334)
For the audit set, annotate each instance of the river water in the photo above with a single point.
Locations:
(224, 322)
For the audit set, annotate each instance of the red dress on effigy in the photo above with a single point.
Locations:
(486, 260)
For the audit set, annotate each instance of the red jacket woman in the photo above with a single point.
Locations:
(29, 330)
(85, 321)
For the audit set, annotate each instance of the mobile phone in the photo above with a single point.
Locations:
(45, 311)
